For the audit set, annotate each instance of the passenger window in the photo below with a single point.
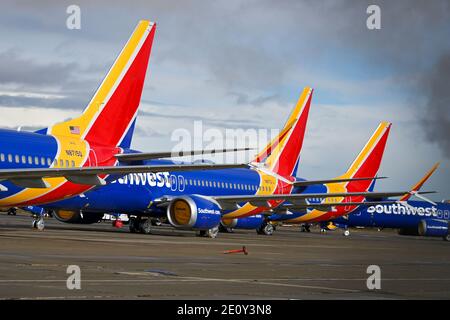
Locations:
(55, 163)
(2, 157)
(30, 160)
(61, 163)
(24, 159)
(49, 162)
(36, 160)
(9, 158)
(16, 158)
(67, 163)
(73, 163)
(43, 161)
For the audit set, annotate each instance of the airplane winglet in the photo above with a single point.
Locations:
(419, 184)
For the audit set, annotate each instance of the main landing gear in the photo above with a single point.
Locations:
(224, 229)
(266, 229)
(139, 225)
(38, 223)
(210, 233)
(305, 227)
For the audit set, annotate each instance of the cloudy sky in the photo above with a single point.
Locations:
(242, 64)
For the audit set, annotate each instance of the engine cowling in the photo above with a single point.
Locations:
(77, 217)
(249, 223)
(193, 213)
(433, 228)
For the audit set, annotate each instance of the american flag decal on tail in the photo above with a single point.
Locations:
(74, 129)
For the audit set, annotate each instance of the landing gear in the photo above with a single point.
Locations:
(133, 224)
(224, 229)
(145, 226)
(265, 229)
(346, 233)
(11, 212)
(447, 237)
(156, 222)
(305, 228)
(323, 230)
(210, 233)
(38, 223)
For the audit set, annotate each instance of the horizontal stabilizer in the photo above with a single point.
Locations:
(130, 157)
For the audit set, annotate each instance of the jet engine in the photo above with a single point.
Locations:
(433, 228)
(194, 213)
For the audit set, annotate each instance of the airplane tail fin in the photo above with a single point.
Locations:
(421, 182)
(368, 161)
(282, 154)
(110, 116)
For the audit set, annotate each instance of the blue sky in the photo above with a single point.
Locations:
(243, 64)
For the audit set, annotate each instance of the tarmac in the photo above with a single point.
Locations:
(174, 264)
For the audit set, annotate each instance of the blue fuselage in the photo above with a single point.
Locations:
(139, 193)
(395, 215)
(20, 150)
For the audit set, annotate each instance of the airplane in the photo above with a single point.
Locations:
(72, 157)
(366, 165)
(199, 201)
(418, 218)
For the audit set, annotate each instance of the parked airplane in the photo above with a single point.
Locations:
(423, 218)
(72, 157)
(365, 165)
(199, 200)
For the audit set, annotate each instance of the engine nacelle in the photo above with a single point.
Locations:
(77, 217)
(433, 228)
(252, 222)
(194, 213)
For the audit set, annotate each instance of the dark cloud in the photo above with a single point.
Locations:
(52, 78)
(436, 118)
(18, 70)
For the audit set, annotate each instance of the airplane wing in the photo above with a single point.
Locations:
(33, 177)
(327, 206)
(129, 157)
(312, 182)
(231, 202)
